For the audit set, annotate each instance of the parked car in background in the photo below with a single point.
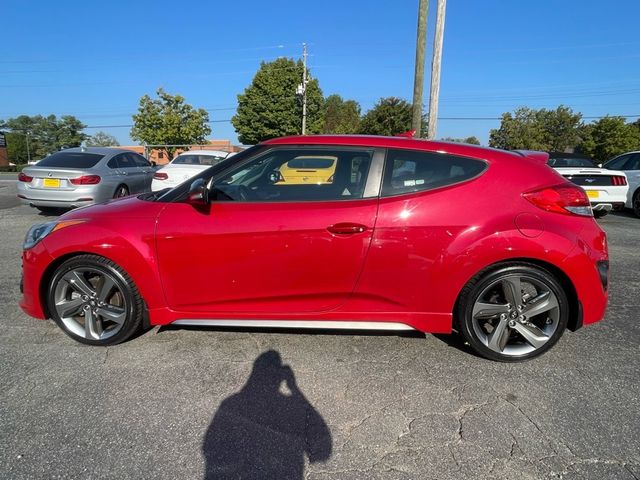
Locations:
(81, 176)
(185, 166)
(404, 235)
(606, 189)
(311, 169)
(629, 163)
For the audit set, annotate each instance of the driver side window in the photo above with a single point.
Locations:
(295, 174)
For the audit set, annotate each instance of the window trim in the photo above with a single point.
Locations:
(387, 166)
(372, 185)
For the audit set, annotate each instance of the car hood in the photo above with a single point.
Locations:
(128, 207)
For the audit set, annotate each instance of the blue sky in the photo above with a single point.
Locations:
(96, 59)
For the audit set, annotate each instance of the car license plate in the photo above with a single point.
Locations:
(593, 193)
(52, 182)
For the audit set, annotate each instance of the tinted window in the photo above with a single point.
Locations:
(411, 171)
(617, 163)
(269, 177)
(126, 161)
(113, 163)
(139, 160)
(71, 160)
(570, 162)
(197, 160)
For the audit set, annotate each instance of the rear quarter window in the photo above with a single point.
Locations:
(409, 171)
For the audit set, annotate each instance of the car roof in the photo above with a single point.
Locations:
(97, 150)
(381, 141)
(216, 153)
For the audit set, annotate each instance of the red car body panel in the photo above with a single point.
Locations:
(278, 261)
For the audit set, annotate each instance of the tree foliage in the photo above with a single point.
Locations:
(168, 120)
(608, 137)
(102, 139)
(41, 135)
(389, 116)
(341, 116)
(470, 140)
(269, 106)
(530, 129)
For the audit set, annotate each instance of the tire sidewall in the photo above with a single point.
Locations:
(467, 303)
(127, 328)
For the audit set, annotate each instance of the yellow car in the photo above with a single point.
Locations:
(305, 170)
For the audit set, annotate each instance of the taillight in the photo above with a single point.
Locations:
(160, 176)
(24, 178)
(86, 180)
(566, 199)
(618, 180)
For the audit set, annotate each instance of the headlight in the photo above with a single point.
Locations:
(41, 230)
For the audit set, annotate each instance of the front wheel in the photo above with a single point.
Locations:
(513, 313)
(94, 301)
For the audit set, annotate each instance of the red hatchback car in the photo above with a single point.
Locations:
(405, 234)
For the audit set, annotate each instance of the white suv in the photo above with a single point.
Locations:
(629, 163)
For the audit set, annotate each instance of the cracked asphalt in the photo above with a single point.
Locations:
(187, 403)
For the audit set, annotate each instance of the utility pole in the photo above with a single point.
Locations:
(418, 77)
(434, 93)
(28, 150)
(304, 89)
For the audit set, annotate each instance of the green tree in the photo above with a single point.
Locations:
(470, 140)
(389, 116)
(530, 129)
(341, 116)
(102, 139)
(43, 135)
(168, 120)
(608, 137)
(269, 106)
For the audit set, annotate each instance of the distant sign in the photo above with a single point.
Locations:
(3, 141)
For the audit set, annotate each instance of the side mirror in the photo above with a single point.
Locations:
(198, 193)
(275, 177)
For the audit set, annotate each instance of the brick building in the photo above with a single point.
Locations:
(159, 156)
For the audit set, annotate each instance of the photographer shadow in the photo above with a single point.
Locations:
(265, 431)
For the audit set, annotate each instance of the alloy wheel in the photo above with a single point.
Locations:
(121, 192)
(90, 303)
(516, 315)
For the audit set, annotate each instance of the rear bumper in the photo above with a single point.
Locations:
(39, 202)
(584, 266)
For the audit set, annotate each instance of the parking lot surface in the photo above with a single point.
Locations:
(180, 403)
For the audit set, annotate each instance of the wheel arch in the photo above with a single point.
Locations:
(575, 308)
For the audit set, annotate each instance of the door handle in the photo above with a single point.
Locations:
(122, 173)
(346, 228)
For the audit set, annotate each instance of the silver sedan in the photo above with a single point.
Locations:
(81, 176)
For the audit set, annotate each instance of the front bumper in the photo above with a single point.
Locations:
(34, 264)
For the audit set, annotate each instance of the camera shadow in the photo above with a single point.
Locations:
(266, 429)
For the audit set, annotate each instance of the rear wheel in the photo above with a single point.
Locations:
(121, 191)
(513, 313)
(635, 203)
(94, 301)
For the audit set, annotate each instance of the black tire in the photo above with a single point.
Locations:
(635, 203)
(472, 291)
(121, 191)
(130, 298)
(600, 213)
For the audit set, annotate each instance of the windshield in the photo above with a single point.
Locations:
(71, 160)
(570, 162)
(193, 159)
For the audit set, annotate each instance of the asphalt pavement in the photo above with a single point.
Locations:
(178, 403)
